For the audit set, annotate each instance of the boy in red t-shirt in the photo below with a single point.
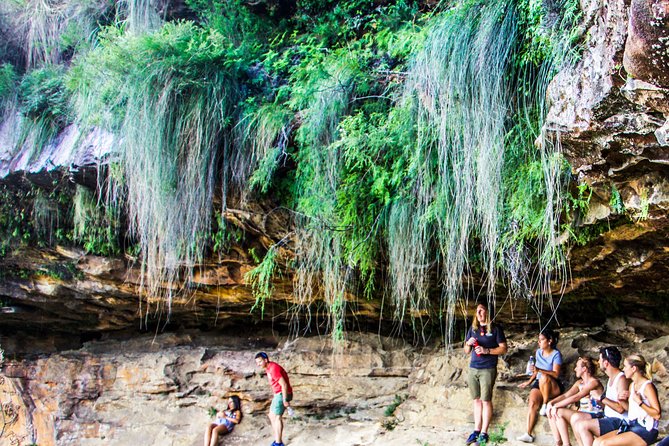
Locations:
(283, 394)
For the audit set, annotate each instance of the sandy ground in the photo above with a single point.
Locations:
(364, 429)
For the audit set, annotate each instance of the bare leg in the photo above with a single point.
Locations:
(586, 431)
(534, 404)
(218, 430)
(549, 388)
(277, 427)
(486, 415)
(575, 419)
(207, 435)
(552, 421)
(563, 425)
(624, 439)
(477, 414)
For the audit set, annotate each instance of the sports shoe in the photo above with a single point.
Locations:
(542, 411)
(526, 438)
(473, 437)
(483, 438)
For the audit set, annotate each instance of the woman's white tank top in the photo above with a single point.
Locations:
(637, 413)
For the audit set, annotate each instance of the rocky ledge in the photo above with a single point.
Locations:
(369, 391)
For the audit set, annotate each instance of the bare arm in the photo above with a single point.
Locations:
(284, 391)
(621, 405)
(235, 417)
(530, 380)
(574, 394)
(653, 408)
(501, 349)
(469, 344)
(566, 398)
(555, 373)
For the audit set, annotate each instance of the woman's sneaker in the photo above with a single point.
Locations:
(473, 437)
(542, 411)
(526, 438)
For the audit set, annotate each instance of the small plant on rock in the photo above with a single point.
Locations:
(390, 410)
(496, 436)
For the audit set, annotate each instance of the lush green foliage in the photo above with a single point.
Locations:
(406, 143)
(260, 279)
(96, 224)
(43, 96)
(33, 216)
(171, 97)
(51, 30)
(8, 87)
(616, 201)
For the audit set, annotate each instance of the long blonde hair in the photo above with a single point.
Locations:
(641, 364)
(475, 322)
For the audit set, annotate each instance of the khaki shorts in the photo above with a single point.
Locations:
(481, 382)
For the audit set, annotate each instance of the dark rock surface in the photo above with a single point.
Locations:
(647, 48)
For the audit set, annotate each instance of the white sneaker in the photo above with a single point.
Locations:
(526, 438)
(542, 411)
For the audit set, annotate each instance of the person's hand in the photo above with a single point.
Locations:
(624, 395)
(523, 384)
(471, 341)
(551, 411)
(636, 396)
(481, 350)
(286, 403)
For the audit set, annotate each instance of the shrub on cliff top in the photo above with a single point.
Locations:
(171, 98)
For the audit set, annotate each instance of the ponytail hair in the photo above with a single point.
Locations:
(641, 364)
(589, 365)
(552, 336)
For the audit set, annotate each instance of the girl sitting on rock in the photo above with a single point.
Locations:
(585, 392)
(225, 422)
(545, 381)
(644, 408)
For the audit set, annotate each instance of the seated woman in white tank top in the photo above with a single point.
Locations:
(644, 408)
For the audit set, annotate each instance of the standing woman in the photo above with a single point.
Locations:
(644, 408)
(484, 342)
(545, 380)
